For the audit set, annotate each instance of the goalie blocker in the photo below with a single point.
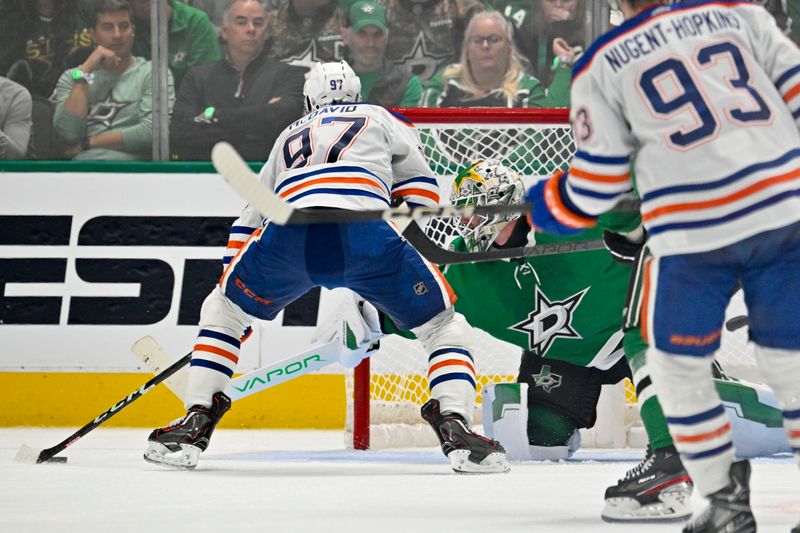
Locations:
(539, 417)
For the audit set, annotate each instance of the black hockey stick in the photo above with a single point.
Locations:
(434, 253)
(27, 454)
(244, 181)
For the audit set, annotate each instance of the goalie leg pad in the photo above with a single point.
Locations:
(506, 418)
(780, 369)
(451, 368)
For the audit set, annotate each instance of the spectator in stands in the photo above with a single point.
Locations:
(191, 35)
(304, 32)
(104, 107)
(425, 35)
(490, 74)
(212, 8)
(514, 10)
(15, 119)
(366, 35)
(246, 99)
(40, 39)
(552, 37)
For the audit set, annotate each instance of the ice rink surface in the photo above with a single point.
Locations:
(280, 481)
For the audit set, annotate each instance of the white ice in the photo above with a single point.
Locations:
(280, 481)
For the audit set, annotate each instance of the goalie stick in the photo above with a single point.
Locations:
(434, 253)
(246, 183)
(316, 357)
(27, 454)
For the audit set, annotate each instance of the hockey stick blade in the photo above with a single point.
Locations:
(432, 252)
(27, 454)
(246, 183)
(156, 359)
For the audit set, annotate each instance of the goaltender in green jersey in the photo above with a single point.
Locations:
(565, 312)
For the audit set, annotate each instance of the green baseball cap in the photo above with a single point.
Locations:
(365, 13)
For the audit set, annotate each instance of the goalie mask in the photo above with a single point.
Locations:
(330, 83)
(485, 183)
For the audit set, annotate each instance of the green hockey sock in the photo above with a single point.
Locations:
(655, 424)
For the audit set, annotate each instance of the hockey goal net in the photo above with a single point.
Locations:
(385, 392)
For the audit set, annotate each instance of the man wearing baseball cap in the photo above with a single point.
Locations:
(365, 33)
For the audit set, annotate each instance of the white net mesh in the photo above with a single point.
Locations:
(398, 379)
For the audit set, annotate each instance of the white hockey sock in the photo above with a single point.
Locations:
(451, 377)
(781, 371)
(214, 360)
(451, 369)
(697, 420)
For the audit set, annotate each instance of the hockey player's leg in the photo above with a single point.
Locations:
(214, 360)
(659, 488)
(702, 434)
(451, 377)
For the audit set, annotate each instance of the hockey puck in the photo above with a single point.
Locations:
(59, 460)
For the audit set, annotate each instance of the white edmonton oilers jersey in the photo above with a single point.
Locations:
(706, 97)
(350, 156)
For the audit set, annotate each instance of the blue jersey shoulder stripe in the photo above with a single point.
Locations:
(632, 24)
(400, 117)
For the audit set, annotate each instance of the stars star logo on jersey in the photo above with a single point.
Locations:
(546, 380)
(105, 112)
(422, 62)
(549, 320)
(309, 57)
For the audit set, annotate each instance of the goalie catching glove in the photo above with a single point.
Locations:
(355, 325)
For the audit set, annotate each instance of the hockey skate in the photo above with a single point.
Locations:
(729, 508)
(179, 444)
(469, 453)
(657, 489)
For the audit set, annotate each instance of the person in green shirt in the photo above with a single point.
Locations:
(366, 35)
(104, 107)
(192, 39)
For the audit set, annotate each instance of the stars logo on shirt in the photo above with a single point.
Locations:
(549, 320)
(422, 62)
(546, 379)
(309, 57)
(105, 112)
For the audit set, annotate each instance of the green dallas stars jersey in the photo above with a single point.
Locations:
(566, 306)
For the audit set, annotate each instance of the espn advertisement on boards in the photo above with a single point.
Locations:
(91, 262)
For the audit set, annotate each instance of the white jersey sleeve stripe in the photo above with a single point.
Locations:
(791, 158)
(421, 190)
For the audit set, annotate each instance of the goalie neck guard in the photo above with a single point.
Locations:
(485, 183)
(330, 83)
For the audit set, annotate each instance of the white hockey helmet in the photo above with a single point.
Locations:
(486, 183)
(330, 83)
